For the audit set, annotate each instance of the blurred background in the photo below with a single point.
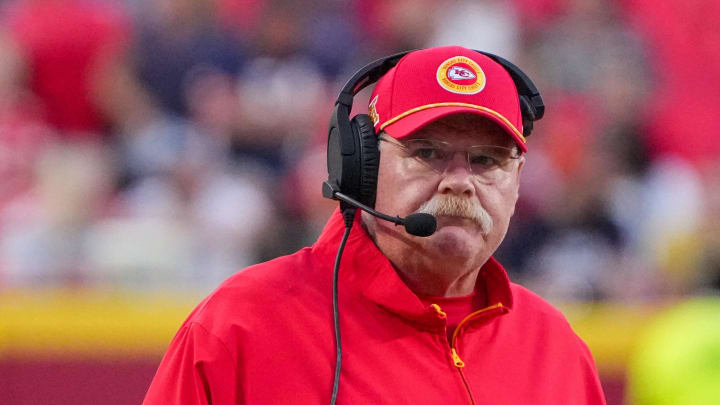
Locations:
(149, 149)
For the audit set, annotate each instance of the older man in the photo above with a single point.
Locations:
(424, 320)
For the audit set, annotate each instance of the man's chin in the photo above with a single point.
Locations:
(451, 240)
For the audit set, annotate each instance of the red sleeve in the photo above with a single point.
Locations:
(593, 394)
(197, 369)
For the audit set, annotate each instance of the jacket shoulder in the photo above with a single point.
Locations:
(278, 275)
(544, 323)
(247, 298)
(537, 330)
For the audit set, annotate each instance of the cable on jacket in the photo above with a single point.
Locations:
(348, 216)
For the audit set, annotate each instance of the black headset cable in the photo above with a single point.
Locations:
(348, 215)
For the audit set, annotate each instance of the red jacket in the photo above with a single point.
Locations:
(265, 336)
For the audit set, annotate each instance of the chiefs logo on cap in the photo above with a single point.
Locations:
(461, 75)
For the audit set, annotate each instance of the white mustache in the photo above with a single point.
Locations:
(455, 206)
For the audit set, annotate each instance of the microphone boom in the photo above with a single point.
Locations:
(418, 224)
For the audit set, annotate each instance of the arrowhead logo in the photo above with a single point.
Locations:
(460, 73)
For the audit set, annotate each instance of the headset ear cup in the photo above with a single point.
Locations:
(369, 158)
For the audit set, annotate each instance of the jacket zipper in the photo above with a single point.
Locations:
(462, 323)
(459, 363)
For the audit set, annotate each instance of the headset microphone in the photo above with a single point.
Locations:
(418, 224)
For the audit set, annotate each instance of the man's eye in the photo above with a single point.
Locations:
(427, 153)
(483, 160)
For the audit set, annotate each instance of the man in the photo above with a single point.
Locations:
(424, 320)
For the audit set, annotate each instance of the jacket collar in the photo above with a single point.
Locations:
(364, 267)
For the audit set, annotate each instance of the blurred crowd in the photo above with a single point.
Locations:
(165, 144)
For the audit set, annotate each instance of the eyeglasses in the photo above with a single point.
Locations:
(489, 162)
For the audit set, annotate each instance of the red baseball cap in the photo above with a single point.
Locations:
(432, 83)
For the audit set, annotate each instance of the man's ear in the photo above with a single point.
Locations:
(521, 163)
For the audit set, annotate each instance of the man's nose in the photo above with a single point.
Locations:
(457, 177)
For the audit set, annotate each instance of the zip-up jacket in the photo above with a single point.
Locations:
(265, 336)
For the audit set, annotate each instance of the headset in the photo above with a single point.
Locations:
(353, 159)
(353, 156)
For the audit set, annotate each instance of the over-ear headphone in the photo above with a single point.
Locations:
(353, 156)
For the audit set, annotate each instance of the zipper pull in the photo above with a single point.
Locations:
(456, 359)
(439, 311)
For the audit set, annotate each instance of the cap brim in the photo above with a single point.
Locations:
(412, 122)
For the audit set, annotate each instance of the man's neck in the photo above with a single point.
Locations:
(436, 283)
